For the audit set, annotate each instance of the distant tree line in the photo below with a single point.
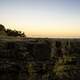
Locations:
(10, 32)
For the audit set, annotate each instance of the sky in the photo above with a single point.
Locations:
(42, 18)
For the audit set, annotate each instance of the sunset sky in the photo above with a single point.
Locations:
(42, 18)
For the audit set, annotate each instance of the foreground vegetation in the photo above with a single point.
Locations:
(9, 32)
(38, 59)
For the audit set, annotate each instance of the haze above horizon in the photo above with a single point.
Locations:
(42, 18)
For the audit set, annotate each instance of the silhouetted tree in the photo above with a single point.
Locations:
(10, 32)
(15, 33)
(2, 28)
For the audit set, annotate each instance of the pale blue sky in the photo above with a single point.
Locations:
(42, 18)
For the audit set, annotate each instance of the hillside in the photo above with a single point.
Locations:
(34, 59)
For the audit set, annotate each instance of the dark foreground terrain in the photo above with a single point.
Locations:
(39, 59)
